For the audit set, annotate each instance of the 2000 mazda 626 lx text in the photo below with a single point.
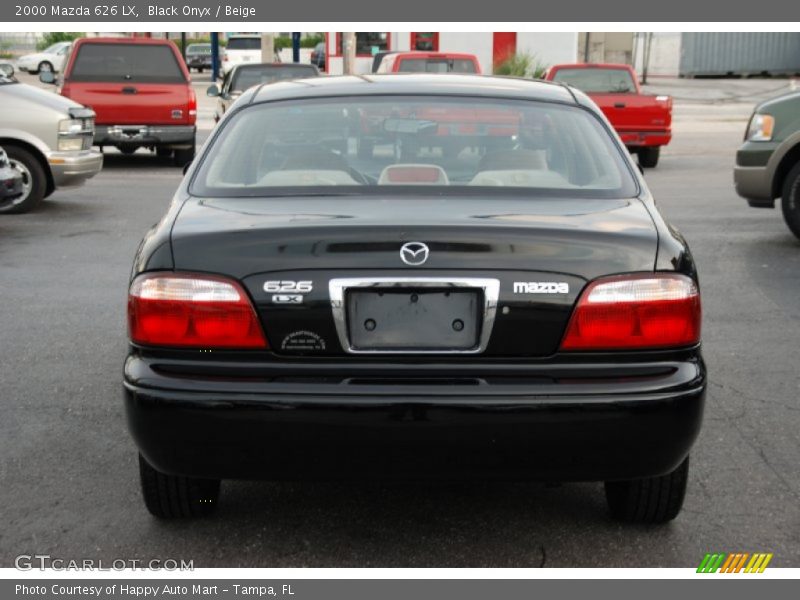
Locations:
(422, 276)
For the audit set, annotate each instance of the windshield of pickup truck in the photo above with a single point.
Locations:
(247, 77)
(612, 81)
(399, 144)
(138, 63)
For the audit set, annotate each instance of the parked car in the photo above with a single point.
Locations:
(48, 139)
(524, 313)
(245, 76)
(426, 62)
(318, 56)
(242, 49)
(643, 121)
(50, 60)
(768, 162)
(10, 181)
(141, 92)
(198, 57)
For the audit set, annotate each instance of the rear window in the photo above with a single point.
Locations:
(247, 77)
(410, 144)
(617, 81)
(436, 65)
(143, 63)
(198, 49)
(244, 44)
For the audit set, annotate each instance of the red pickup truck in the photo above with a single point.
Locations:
(427, 62)
(644, 122)
(141, 92)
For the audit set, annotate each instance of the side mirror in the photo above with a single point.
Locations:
(47, 77)
(213, 91)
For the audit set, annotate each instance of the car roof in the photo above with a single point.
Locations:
(245, 35)
(271, 65)
(124, 40)
(417, 84)
(432, 54)
(591, 66)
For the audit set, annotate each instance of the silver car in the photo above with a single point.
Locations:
(242, 77)
(48, 138)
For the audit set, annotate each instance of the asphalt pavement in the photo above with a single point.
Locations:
(68, 472)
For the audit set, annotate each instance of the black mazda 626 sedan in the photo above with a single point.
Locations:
(422, 276)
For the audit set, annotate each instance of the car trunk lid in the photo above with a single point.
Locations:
(539, 252)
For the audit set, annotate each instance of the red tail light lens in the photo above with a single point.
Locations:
(199, 311)
(192, 106)
(661, 310)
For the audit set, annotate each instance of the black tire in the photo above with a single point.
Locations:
(790, 200)
(651, 500)
(127, 150)
(45, 67)
(200, 70)
(648, 157)
(184, 156)
(163, 151)
(174, 497)
(34, 181)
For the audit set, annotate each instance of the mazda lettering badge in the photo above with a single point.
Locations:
(414, 253)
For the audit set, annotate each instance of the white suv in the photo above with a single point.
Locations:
(242, 48)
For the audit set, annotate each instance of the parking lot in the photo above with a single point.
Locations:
(68, 471)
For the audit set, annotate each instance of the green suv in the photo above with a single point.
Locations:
(768, 163)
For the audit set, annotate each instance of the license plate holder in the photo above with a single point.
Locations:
(426, 319)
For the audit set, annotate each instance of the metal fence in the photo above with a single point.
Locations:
(17, 43)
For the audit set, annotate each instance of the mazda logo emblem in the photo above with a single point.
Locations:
(414, 253)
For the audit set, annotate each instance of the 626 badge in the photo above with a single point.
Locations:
(288, 286)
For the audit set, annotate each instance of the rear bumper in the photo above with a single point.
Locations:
(144, 135)
(251, 429)
(72, 169)
(638, 139)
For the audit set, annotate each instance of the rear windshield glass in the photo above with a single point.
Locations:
(198, 49)
(247, 77)
(244, 44)
(436, 65)
(597, 80)
(401, 144)
(144, 63)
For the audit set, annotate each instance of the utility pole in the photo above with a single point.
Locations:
(349, 53)
(267, 48)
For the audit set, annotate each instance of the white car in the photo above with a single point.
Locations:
(242, 49)
(48, 60)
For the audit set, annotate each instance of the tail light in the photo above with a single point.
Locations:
(658, 310)
(187, 310)
(192, 105)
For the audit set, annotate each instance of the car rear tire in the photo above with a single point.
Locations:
(175, 497)
(163, 152)
(45, 67)
(648, 157)
(790, 200)
(650, 500)
(184, 156)
(34, 181)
